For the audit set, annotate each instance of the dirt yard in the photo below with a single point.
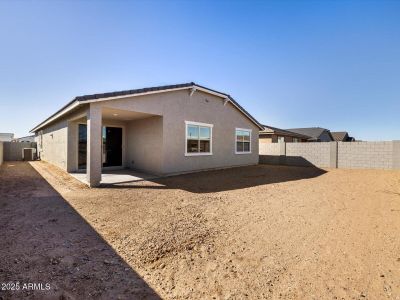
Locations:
(262, 232)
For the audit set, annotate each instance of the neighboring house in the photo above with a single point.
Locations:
(317, 134)
(275, 135)
(6, 137)
(342, 136)
(29, 139)
(160, 130)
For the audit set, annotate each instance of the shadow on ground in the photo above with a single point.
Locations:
(227, 179)
(45, 241)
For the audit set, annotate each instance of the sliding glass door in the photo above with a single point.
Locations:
(82, 145)
(111, 148)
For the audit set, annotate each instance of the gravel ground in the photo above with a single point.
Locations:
(260, 232)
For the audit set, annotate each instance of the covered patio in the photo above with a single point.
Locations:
(103, 145)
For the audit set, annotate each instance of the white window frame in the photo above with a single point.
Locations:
(243, 152)
(187, 123)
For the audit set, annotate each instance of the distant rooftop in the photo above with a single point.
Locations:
(270, 129)
(313, 132)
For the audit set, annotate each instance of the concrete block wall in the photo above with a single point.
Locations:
(365, 155)
(396, 155)
(317, 154)
(271, 153)
(269, 149)
(12, 151)
(351, 155)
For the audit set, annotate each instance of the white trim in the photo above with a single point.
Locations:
(243, 152)
(64, 111)
(192, 91)
(199, 124)
(211, 138)
(198, 153)
(244, 129)
(279, 137)
(210, 92)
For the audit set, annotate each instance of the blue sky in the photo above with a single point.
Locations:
(334, 64)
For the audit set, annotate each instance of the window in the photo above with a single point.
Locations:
(295, 140)
(281, 139)
(242, 141)
(198, 139)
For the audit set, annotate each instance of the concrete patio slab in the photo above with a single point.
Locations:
(117, 176)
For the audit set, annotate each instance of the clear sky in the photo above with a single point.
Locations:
(334, 64)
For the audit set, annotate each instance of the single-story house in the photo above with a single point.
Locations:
(276, 135)
(342, 136)
(316, 134)
(160, 130)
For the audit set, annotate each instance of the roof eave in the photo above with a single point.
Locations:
(81, 100)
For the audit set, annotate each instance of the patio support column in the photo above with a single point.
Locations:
(94, 144)
(72, 147)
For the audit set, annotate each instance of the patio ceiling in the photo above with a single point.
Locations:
(123, 115)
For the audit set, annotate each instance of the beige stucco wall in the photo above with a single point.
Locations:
(144, 144)
(265, 140)
(52, 144)
(58, 144)
(178, 107)
(205, 108)
(157, 144)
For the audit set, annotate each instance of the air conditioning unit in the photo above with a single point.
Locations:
(28, 154)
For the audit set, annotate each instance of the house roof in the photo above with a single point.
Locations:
(340, 135)
(313, 132)
(274, 130)
(137, 92)
(23, 137)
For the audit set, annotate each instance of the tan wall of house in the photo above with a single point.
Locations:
(52, 144)
(288, 139)
(144, 144)
(157, 144)
(56, 143)
(178, 107)
(205, 108)
(265, 140)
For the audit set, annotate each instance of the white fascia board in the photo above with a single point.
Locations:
(210, 92)
(77, 103)
(56, 116)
